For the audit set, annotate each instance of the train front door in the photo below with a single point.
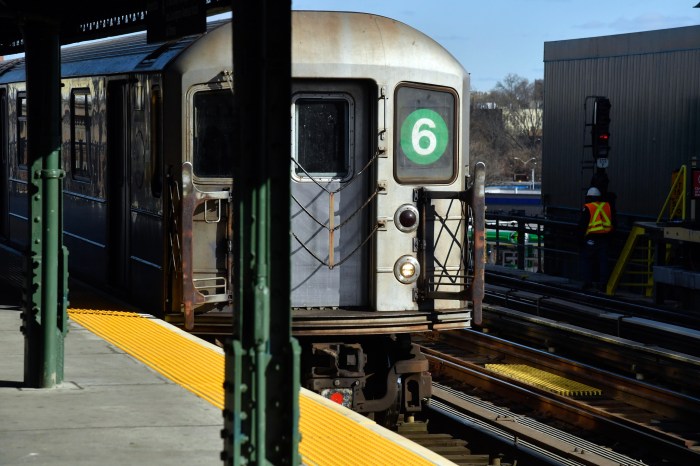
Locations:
(332, 193)
(207, 254)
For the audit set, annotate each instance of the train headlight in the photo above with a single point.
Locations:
(407, 269)
(406, 218)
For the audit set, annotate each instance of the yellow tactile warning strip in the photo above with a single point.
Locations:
(147, 340)
(330, 435)
(544, 380)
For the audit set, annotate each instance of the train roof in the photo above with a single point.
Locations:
(123, 54)
(361, 39)
(349, 39)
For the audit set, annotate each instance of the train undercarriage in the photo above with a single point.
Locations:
(379, 376)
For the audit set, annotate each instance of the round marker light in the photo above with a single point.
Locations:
(407, 269)
(337, 397)
(406, 218)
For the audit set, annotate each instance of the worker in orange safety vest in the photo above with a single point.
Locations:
(596, 224)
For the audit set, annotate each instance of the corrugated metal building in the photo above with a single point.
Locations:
(653, 82)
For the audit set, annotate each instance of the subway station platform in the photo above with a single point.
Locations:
(110, 410)
(121, 403)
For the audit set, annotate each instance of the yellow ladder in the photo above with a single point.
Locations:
(631, 252)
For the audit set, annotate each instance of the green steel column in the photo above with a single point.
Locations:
(44, 314)
(262, 362)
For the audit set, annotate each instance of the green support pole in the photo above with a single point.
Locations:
(261, 385)
(44, 314)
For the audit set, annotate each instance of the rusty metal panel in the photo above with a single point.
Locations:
(651, 81)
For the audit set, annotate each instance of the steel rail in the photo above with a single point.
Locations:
(574, 412)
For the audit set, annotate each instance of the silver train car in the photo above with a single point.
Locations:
(387, 229)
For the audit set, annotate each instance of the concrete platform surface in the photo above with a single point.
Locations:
(110, 410)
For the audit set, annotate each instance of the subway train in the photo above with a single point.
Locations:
(387, 215)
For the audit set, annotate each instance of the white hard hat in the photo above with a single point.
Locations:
(593, 192)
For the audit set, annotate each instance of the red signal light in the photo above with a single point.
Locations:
(337, 397)
(600, 128)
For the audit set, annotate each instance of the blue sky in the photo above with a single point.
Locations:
(496, 37)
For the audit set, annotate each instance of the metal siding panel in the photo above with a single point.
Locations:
(146, 238)
(655, 106)
(636, 43)
(85, 218)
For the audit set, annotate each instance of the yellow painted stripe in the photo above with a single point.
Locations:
(545, 380)
(180, 360)
(328, 437)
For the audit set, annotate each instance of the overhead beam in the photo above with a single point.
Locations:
(83, 20)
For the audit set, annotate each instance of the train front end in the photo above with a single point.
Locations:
(387, 218)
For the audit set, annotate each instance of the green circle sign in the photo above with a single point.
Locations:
(424, 136)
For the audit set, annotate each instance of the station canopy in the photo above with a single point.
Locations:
(81, 20)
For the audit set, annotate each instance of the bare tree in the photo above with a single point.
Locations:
(506, 128)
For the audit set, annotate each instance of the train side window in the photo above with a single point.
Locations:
(22, 155)
(425, 144)
(322, 130)
(214, 126)
(80, 103)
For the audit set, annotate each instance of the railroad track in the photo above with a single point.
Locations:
(613, 334)
(621, 414)
(656, 364)
(602, 317)
(442, 442)
(501, 287)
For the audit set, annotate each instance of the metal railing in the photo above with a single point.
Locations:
(534, 244)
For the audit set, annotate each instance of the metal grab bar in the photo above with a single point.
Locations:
(216, 284)
(216, 219)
